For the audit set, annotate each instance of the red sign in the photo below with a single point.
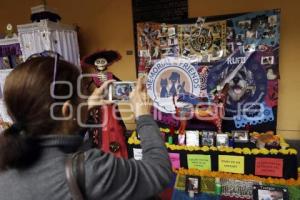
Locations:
(269, 167)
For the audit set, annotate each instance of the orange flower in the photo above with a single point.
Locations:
(250, 177)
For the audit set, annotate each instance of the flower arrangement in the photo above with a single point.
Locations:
(216, 174)
(245, 151)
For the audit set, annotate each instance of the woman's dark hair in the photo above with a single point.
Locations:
(28, 100)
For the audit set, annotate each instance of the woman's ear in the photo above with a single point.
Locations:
(67, 110)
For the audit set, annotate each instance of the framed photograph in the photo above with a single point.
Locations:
(269, 193)
(208, 138)
(192, 138)
(192, 184)
(181, 139)
(222, 140)
(240, 136)
(119, 91)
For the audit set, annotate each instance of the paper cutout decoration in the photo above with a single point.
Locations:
(232, 164)
(192, 138)
(175, 160)
(137, 154)
(269, 167)
(237, 189)
(208, 184)
(180, 182)
(198, 161)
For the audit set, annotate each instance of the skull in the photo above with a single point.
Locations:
(101, 64)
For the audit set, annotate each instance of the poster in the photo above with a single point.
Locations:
(175, 160)
(238, 50)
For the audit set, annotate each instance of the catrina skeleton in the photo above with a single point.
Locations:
(110, 137)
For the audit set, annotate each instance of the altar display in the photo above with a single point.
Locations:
(214, 85)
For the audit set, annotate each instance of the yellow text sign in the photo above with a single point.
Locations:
(232, 164)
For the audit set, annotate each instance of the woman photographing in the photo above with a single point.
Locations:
(33, 151)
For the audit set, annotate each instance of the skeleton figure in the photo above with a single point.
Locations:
(110, 137)
(101, 65)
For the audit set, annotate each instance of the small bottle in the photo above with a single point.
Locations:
(170, 139)
(218, 189)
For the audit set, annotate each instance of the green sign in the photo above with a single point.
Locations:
(198, 161)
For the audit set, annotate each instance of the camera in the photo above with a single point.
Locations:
(120, 90)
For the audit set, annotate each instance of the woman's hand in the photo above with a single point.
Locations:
(140, 101)
(97, 98)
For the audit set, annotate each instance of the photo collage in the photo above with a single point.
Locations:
(241, 50)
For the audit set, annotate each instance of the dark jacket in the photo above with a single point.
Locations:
(106, 177)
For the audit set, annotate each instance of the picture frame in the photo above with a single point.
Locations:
(208, 138)
(193, 184)
(240, 136)
(222, 140)
(192, 138)
(181, 139)
(261, 192)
